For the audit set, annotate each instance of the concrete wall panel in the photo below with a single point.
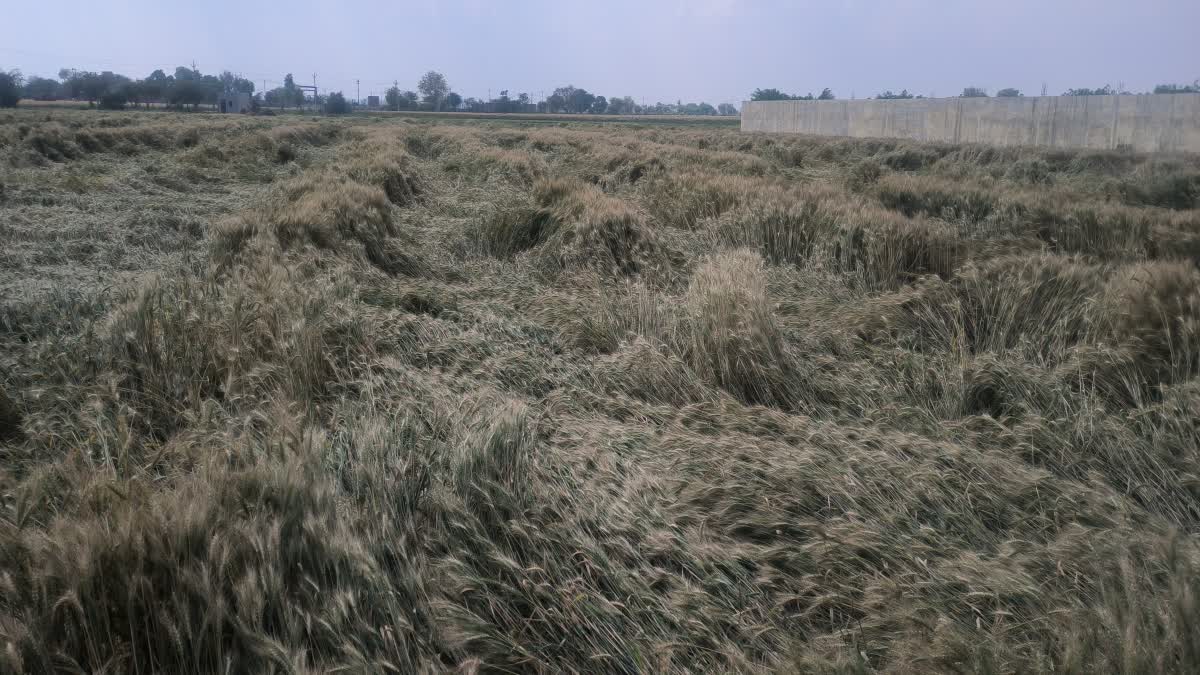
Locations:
(1150, 123)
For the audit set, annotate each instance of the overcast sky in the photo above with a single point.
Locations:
(711, 50)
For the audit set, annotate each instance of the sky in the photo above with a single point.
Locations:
(653, 50)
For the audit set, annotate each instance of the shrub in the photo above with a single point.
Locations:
(10, 88)
(114, 99)
(336, 104)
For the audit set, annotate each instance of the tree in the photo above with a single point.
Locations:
(41, 88)
(291, 93)
(581, 100)
(433, 87)
(231, 83)
(826, 95)
(973, 92)
(114, 98)
(726, 109)
(599, 106)
(10, 88)
(1106, 90)
(1193, 88)
(887, 95)
(91, 85)
(1009, 93)
(156, 85)
(336, 104)
(453, 100)
(186, 89)
(769, 95)
(624, 105)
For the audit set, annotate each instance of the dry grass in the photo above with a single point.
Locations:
(378, 395)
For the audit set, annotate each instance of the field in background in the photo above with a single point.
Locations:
(394, 395)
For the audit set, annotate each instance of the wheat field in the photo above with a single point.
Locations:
(385, 395)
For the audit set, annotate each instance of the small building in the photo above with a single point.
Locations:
(372, 101)
(234, 102)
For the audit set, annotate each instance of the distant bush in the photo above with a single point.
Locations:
(1106, 90)
(114, 99)
(336, 104)
(1193, 88)
(1009, 93)
(10, 88)
(973, 92)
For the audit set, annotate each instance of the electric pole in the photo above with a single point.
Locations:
(396, 86)
(357, 92)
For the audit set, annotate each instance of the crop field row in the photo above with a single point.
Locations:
(389, 394)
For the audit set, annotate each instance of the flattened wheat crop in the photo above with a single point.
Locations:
(283, 395)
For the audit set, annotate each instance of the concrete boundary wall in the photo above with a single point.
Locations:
(1144, 122)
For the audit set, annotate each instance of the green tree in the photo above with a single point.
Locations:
(41, 88)
(769, 95)
(1106, 90)
(231, 83)
(115, 98)
(293, 95)
(727, 109)
(1009, 93)
(10, 88)
(887, 95)
(91, 85)
(826, 95)
(623, 105)
(599, 106)
(433, 87)
(973, 92)
(1193, 88)
(156, 85)
(336, 104)
(453, 100)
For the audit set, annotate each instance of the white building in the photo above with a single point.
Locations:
(234, 102)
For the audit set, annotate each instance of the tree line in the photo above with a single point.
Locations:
(186, 87)
(975, 92)
(189, 88)
(436, 94)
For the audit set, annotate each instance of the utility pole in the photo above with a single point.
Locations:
(396, 86)
(314, 89)
(357, 93)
